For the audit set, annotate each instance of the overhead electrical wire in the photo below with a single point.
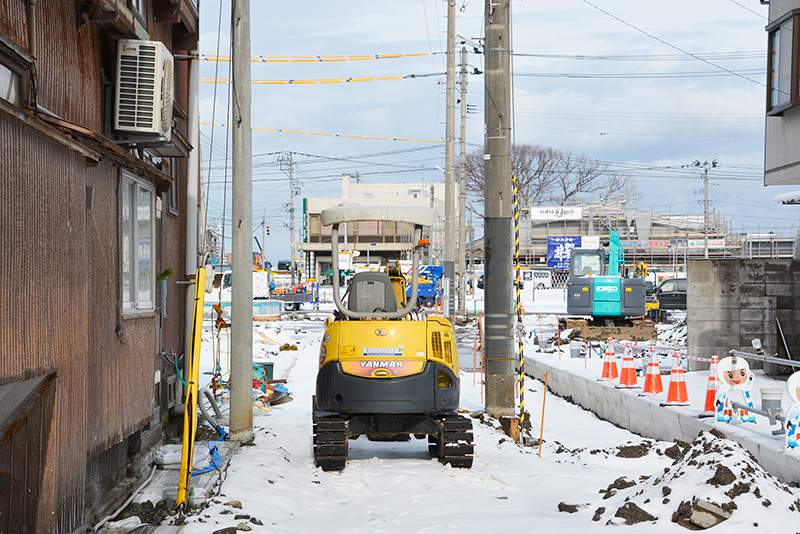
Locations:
(312, 59)
(333, 135)
(752, 54)
(312, 81)
(646, 75)
(750, 10)
(650, 35)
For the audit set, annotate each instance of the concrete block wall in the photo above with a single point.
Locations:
(731, 302)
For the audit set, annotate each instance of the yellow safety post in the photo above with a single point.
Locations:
(520, 323)
(190, 412)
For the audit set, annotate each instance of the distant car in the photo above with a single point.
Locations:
(671, 294)
(480, 283)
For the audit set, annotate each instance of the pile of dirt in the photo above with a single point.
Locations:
(710, 480)
(673, 333)
(147, 512)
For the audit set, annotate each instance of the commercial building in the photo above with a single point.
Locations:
(370, 242)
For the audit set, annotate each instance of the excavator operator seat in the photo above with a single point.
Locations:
(370, 292)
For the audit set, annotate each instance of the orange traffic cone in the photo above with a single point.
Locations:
(652, 380)
(627, 378)
(713, 386)
(676, 395)
(609, 362)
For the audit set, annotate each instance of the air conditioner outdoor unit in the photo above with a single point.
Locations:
(143, 96)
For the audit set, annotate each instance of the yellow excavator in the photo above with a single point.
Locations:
(384, 373)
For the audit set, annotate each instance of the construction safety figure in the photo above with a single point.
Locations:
(734, 374)
(793, 414)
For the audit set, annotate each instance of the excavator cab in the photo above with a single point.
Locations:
(593, 290)
(384, 372)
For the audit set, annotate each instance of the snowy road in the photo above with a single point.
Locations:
(394, 487)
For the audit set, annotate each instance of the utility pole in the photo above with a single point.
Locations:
(241, 378)
(706, 165)
(462, 230)
(290, 160)
(499, 304)
(291, 218)
(450, 157)
(432, 229)
(471, 254)
(705, 209)
(264, 241)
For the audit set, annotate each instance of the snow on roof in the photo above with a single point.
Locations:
(788, 198)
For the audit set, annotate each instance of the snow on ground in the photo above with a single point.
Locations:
(585, 472)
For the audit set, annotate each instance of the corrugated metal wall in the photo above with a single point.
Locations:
(59, 267)
(43, 290)
(13, 20)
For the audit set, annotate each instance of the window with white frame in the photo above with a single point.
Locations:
(783, 81)
(13, 63)
(9, 85)
(137, 201)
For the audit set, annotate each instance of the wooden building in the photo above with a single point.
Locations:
(91, 212)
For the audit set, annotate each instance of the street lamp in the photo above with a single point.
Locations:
(771, 244)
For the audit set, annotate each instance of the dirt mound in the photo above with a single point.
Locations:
(146, 511)
(710, 480)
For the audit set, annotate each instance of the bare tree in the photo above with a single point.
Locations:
(545, 176)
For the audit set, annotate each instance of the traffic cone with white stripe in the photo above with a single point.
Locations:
(627, 377)
(676, 395)
(609, 362)
(712, 388)
(652, 380)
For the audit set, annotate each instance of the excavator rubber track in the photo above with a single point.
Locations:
(330, 441)
(454, 444)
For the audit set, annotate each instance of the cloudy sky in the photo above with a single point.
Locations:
(647, 87)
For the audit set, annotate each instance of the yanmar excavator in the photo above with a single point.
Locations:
(383, 373)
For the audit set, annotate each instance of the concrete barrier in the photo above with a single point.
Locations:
(644, 416)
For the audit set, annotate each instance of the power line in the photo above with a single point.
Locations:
(753, 54)
(748, 9)
(647, 75)
(699, 58)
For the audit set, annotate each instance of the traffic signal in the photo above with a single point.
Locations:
(267, 230)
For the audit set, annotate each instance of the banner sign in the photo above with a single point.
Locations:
(699, 243)
(653, 243)
(305, 221)
(590, 241)
(557, 213)
(558, 250)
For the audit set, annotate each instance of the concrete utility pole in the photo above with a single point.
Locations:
(450, 160)
(241, 379)
(462, 230)
(291, 218)
(499, 304)
(290, 161)
(264, 241)
(706, 165)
